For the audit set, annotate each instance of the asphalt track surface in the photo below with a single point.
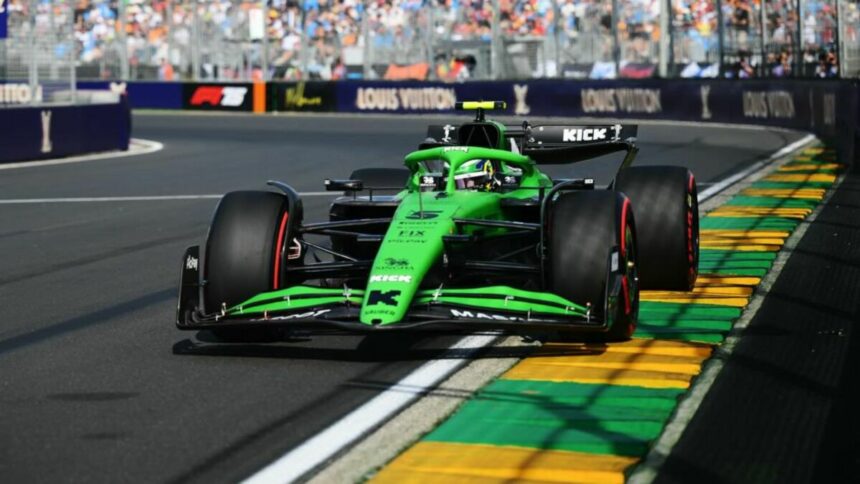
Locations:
(96, 385)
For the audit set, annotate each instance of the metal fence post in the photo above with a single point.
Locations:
(763, 36)
(365, 36)
(265, 40)
(665, 11)
(721, 39)
(33, 72)
(52, 27)
(123, 43)
(838, 33)
(169, 24)
(495, 40)
(428, 41)
(558, 36)
(195, 42)
(73, 56)
(670, 35)
(306, 45)
(799, 57)
(616, 43)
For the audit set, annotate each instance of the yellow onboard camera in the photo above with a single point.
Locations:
(479, 106)
(472, 105)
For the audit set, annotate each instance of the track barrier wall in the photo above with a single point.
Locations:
(827, 108)
(52, 131)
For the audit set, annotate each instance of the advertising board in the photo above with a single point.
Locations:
(302, 96)
(50, 131)
(217, 96)
(4, 19)
(143, 95)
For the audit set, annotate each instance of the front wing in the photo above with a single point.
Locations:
(322, 310)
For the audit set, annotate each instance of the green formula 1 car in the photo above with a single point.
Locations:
(476, 238)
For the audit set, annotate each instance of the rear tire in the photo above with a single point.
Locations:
(667, 215)
(585, 228)
(241, 254)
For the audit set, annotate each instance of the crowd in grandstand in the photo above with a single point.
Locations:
(335, 39)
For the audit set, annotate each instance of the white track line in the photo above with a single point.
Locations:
(318, 449)
(137, 146)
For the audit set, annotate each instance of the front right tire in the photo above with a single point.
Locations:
(591, 245)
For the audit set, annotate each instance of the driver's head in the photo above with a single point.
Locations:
(476, 175)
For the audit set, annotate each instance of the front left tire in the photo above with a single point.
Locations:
(244, 254)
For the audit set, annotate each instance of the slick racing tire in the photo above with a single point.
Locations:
(667, 224)
(244, 253)
(381, 177)
(587, 230)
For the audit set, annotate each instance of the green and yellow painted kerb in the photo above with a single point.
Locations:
(587, 412)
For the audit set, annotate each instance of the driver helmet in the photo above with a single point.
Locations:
(476, 175)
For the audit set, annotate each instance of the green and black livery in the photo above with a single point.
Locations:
(475, 238)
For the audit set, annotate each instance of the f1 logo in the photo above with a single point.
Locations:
(210, 95)
(219, 96)
(389, 298)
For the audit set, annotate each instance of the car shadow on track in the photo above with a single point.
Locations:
(374, 348)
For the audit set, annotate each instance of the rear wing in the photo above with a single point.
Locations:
(546, 144)
(569, 144)
(557, 136)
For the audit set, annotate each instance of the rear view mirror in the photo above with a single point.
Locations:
(343, 185)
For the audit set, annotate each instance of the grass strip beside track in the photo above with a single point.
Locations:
(587, 412)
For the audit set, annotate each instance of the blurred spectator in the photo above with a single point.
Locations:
(331, 38)
(740, 22)
(743, 68)
(694, 26)
(827, 66)
(165, 72)
(781, 67)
